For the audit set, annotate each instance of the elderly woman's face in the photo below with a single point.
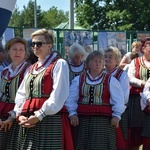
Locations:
(146, 51)
(77, 59)
(96, 65)
(110, 60)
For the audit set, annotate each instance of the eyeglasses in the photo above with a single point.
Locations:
(38, 44)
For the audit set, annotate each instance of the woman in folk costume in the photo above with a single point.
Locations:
(135, 47)
(139, 72)
(41, 96)
(145, 105)
(94, 107)
(76, 60)
(10, 80)
(112, 60)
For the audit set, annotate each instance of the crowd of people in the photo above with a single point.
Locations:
(90, 101)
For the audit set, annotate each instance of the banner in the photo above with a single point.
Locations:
(6, 8)
(141, 36)
(84, 38)
(116, 39)
(7, 35)
(27, 33)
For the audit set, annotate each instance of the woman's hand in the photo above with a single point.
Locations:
(115, 122)
(143, 83)
(28, 122)
(22, 119)
(6, 125)
(74, 120)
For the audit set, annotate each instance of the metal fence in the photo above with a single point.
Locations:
(59, 37)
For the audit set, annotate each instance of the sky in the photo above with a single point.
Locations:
(46, 4)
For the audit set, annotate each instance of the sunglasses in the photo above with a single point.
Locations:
(38, 44)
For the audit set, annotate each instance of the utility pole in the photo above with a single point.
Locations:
(71, 15)
(35, 14)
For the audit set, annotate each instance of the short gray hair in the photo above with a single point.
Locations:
(74, 48)
(116, 51)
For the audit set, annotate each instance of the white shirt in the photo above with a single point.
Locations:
(78, 68)
(127, 56)
(145, 95)
(131, 73)
(125, 85)
(116, 96)
(126, 67)
(58, 95)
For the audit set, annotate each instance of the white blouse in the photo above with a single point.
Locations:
(131, 73)
(145, 95)
(116, 96)
(58, 95)
(125, 85)
(77, 68)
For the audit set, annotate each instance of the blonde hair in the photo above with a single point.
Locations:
(135, 43)
(48, 35)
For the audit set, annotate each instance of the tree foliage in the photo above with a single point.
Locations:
(53, 17)
(113, 14)
(45, 19)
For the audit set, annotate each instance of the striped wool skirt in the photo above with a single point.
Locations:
(95, 133)
(146, 131)
(46, 135)
(135, 120)
(135, 114)
(124, 124)
(122, 133)
(8, 139)
(146, 127)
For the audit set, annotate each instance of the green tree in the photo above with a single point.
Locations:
(25, 18)
(45, 19)
(113, 14)
(90, 14)
(53, 17)
(15, 18)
